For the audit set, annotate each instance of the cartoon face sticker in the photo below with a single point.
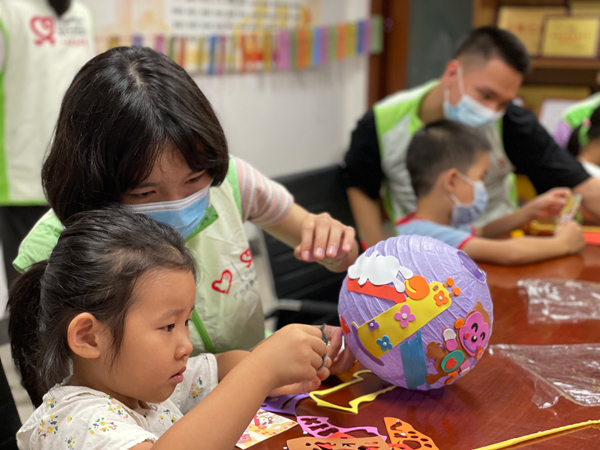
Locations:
(474, 334)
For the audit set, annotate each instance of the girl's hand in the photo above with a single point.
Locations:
(305, 386)
(342, 359)
(327, 241)
(292, 356)
(548, 204)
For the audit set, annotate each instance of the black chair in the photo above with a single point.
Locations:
(308, 292)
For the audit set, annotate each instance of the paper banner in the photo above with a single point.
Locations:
(284, 51)
(376, 35)
(312, 443)
(137, 40)
(406, 436)
(353, 404)
(276, 404)
(341, 42)
(159, 43)
(366, 38)
(263, 426)
(332, 35)
(320, 427)
(351, 39)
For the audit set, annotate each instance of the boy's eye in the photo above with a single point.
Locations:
(169, 328)
(187, 322)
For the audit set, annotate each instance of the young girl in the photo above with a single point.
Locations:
(584, 144)
(135, 129)
(102, 327)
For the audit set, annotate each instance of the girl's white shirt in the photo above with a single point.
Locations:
(77, 417)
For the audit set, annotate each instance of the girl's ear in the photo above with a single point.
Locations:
(87, 337)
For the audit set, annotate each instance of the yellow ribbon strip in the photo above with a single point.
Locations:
(537, 435)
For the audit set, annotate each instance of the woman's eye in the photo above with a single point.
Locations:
(187, 322)
(142, 194)
(169, 328)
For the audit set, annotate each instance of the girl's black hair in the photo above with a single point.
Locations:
(574, 145)
(123, 109)
(93, 268)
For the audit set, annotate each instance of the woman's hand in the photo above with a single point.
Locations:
(328, 241)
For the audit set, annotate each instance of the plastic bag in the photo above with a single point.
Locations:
(570, 371)
(552, 301)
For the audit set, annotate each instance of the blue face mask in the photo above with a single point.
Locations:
(466, 214)
(182, 215)
(469, 111)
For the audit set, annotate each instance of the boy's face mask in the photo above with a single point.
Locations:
(183, 215)
(469, 111)
(467, 214)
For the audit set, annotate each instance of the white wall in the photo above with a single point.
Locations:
(288, 122)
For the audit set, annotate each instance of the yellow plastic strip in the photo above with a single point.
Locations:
(537, 435)
(353, 408)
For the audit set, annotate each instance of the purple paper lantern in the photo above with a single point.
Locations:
(416, 312)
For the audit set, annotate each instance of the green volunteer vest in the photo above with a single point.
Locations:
(228, 313)
(577, 113)
(396, 121)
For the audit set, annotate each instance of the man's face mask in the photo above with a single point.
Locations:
(469, 111)
(467, 214)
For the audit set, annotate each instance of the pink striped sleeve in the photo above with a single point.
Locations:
(264, 202)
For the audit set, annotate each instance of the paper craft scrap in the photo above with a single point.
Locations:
(591, 237)
(263, 426)
(353, 404)
(285, 404)
(406, 437)
(530, 437)
(312, 443)
(320, 427)
(570, 209)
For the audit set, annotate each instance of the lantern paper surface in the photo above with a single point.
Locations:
(416, 311)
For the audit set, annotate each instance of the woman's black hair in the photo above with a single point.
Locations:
(93, 268)
(593, 132)
(122, 111)
(60, 6)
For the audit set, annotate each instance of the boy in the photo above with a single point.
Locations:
(447, 162)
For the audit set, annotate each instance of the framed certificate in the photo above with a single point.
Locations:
(570, 37)
(527, 23)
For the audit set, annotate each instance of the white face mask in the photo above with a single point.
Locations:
(469, 111)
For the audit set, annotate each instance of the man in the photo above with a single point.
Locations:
(476, 89)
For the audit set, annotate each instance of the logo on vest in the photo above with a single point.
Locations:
(224, 283)
(246, 258)
(43, 28)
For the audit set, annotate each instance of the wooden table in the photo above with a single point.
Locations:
(493, 403)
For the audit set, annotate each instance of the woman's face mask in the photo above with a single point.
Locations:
(466, 214)
(469, 111)
(183, 215)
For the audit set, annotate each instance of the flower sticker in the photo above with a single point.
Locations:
(441, 298)
(384, 343)
(373, 325)
(404, 316)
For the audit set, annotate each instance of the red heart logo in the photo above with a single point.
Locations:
(246, 258)
(224, 284)
(450, 363)
(43, 28)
